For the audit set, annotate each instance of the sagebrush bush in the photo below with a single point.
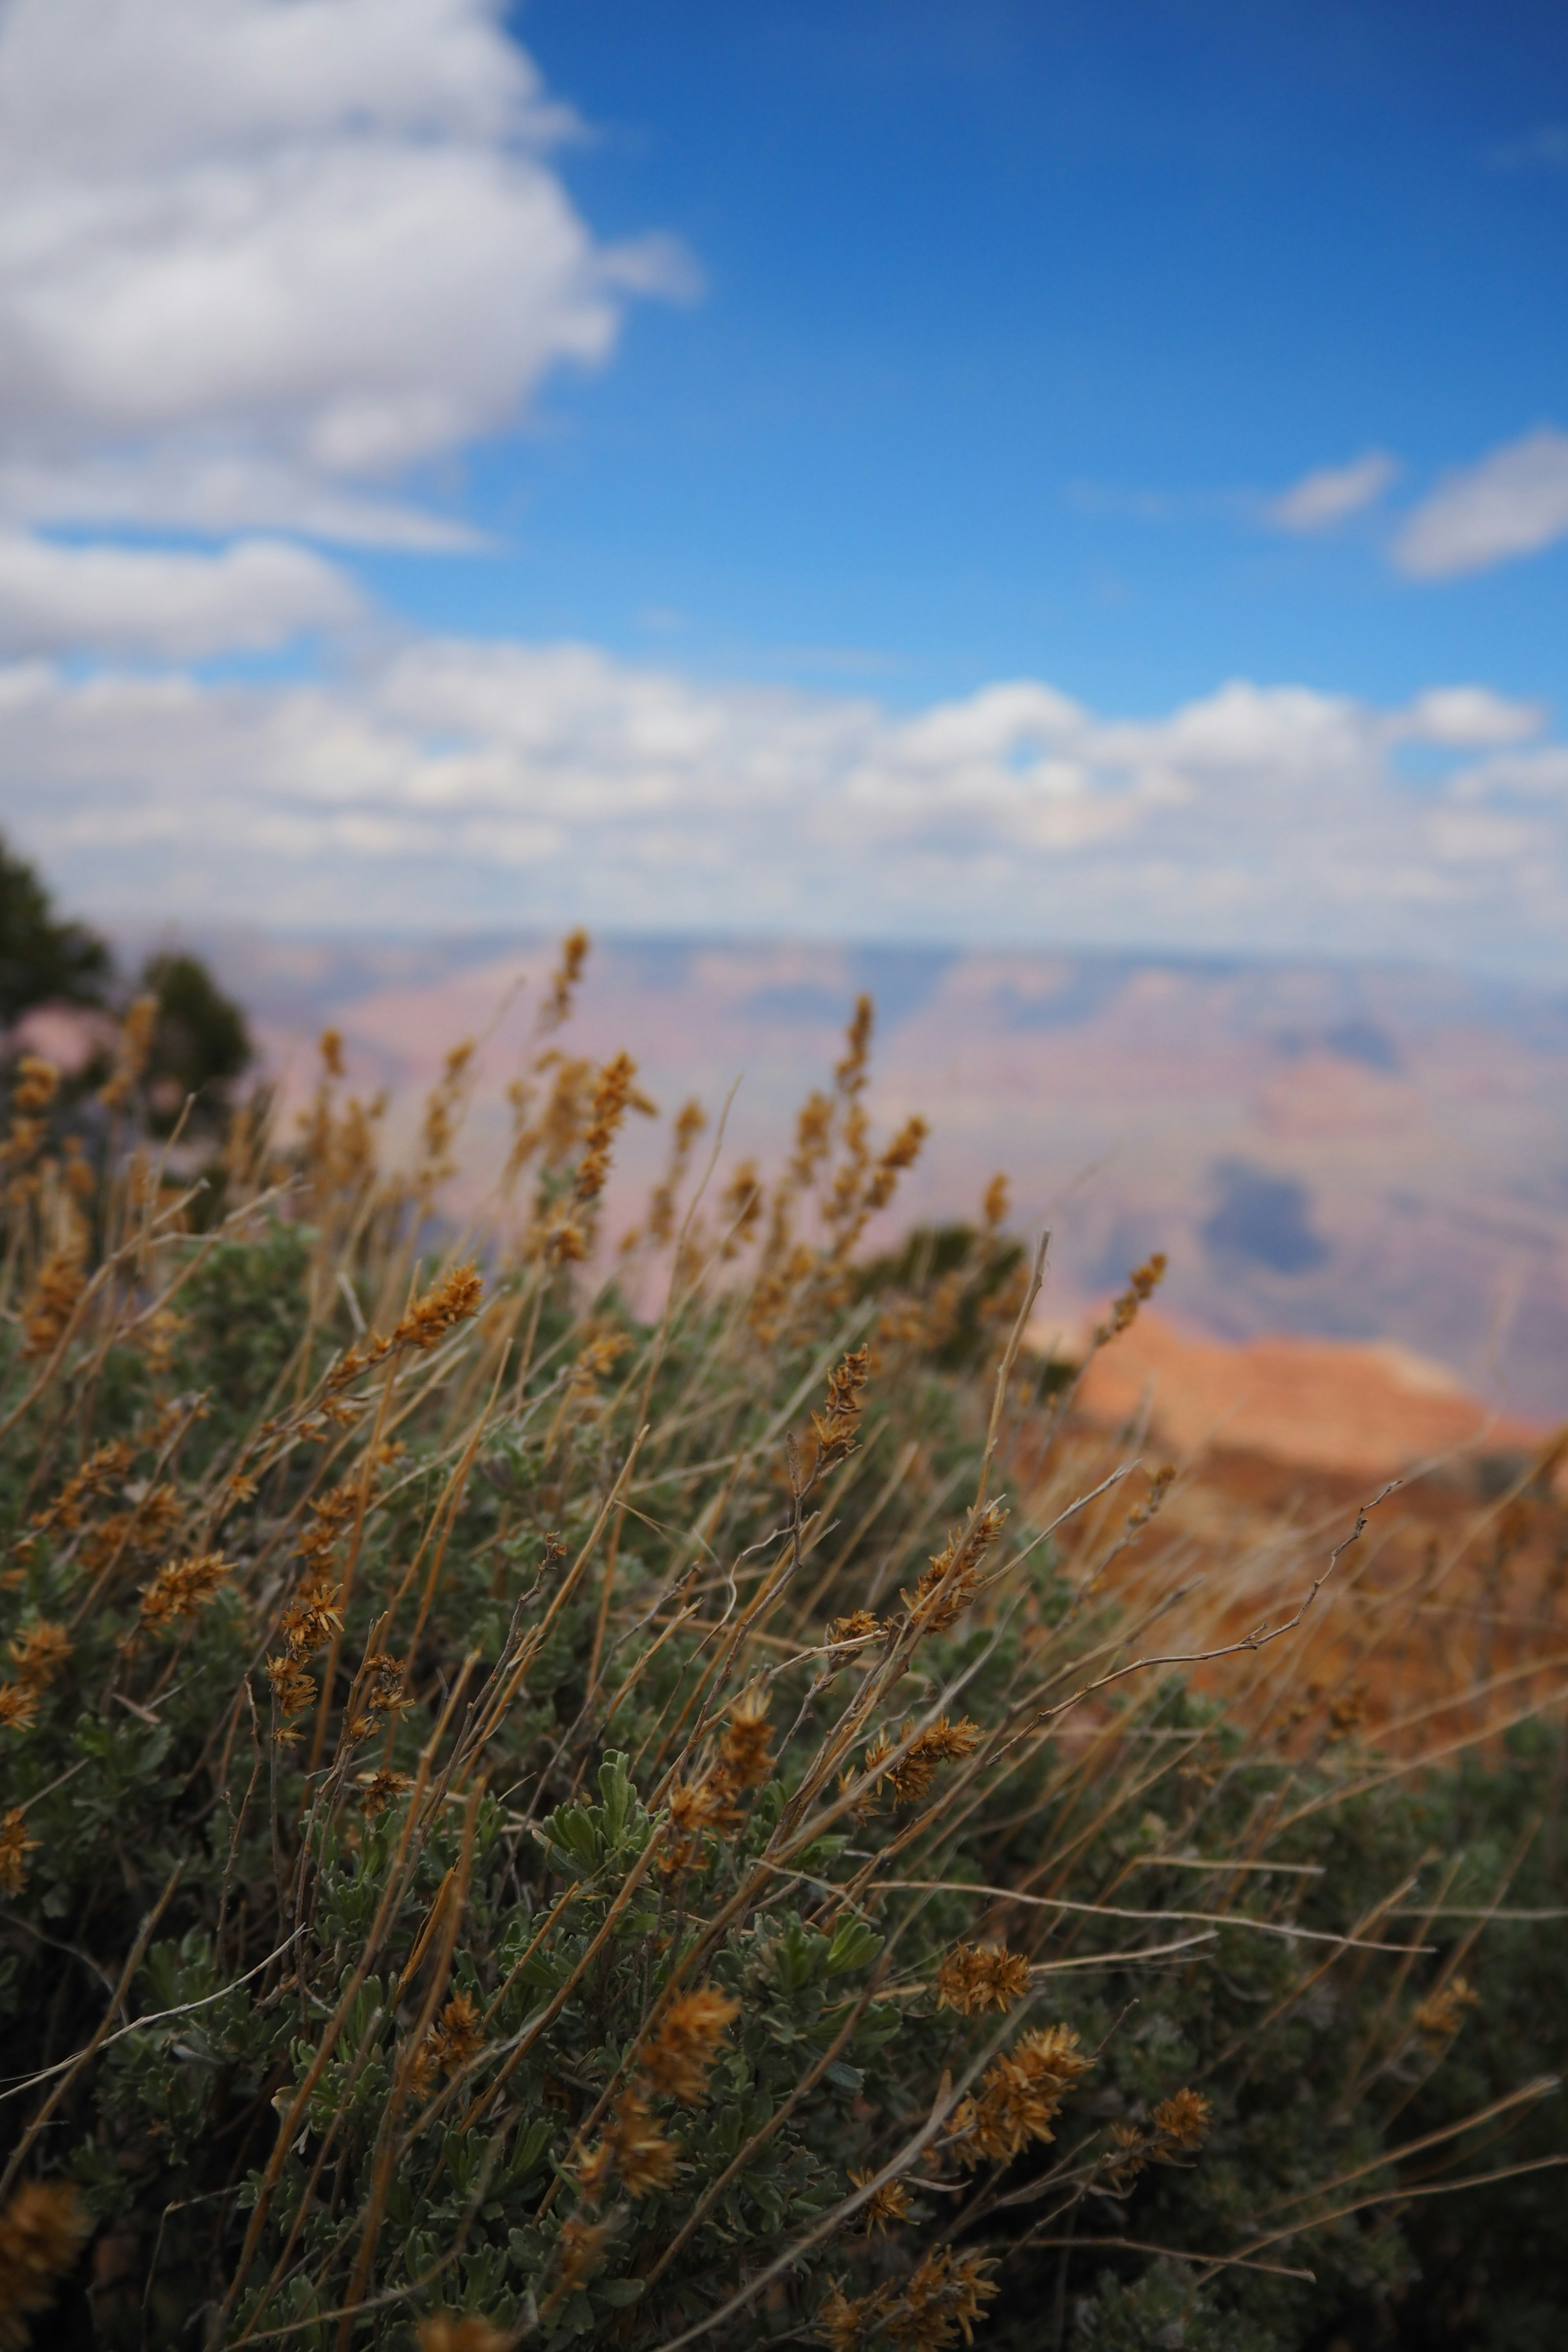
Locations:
(565, 1794)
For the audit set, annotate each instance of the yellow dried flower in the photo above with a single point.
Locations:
(677, 2059)
(39, 1653)
(951, 1583)
(18, 1706)
(841, 2320)
(1142, 1284)
(941, 1743)
(744, 1761)
(634, 2147)
(975, 1978)
(1020, 2095)
(1180, 2121)
(837, 1426)
(462, 2332)
(1130, 2157)
(183, 1590)
(38, 1083)
(1441, 2014)
(582, 2243)
(856, 1627)
(886, 2207)
(939, 2302)
(613, 1094)
(310, 1621)
(41, 2233)
(15, 1847)
(457, 2036)
(381, 1788)
(440, 1311)
(53, 1300)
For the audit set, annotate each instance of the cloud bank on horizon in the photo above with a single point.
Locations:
(268, 267)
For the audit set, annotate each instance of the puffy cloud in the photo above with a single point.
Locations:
(448, 783)
(167, 605)
(255, 253)
(1321, 498)
(1513, 502)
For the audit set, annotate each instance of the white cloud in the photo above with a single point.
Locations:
(1321, 498)
(166, 605)
(1466, 717)
(1513, 503)
(451, 783)
(258, 254)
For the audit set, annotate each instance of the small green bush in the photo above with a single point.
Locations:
(619, 1811)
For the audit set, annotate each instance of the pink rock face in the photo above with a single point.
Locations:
(69, 1035)
(1357, 1151)
(1376, 1409)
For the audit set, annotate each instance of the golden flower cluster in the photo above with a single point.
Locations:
(675, 2062)
(381, 1692)
(837, 1427)
(41, 2233)
(48, 1311)
(634, 2149)
(465, 2331)
(707, 1807)
(886, 2207)
(182, 1589)
(307, 1626)
(679, 2057)
(1440, 2015)
(935, 2305)
(440, 1309)
(909, 1777)
(381, 1788)
(858, 1626)
(952, 1579)
(16, 1845)
(1178, 2127)
(1019, 2096)
(103, 1468)
(457, 2036)
(37, 1653)
(1142, 1284)
(975, 1978)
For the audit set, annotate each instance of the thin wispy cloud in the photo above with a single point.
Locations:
(1513, 503)
(1330, 494)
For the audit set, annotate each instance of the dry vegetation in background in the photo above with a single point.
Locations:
(667, 1788)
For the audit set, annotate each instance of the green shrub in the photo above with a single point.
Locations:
(589, 1822)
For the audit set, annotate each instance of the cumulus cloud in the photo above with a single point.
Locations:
(1513, 503)
(162, 604)
(1332, 493)
(451, 783)
(256, 256)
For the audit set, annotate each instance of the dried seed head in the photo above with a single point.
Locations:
(1180, 2121)
(858, 1626)
(837, 1426)
(18, 1706)
(1441, 2014)
(686, 2041)
(581, 2245)
(886, 2207)
(909, 1777)
(16, 1845)
(744, 1761)
(457, 2036)
(382, 1789)
(183, 1590)
(39, 1653)
(952, 1579)
(441, 1309)
(462, 2332)
(41, 2233)
(975, 1978)
(1020, 2095)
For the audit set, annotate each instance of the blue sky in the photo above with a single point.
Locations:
(1018, 316)
(981, 471)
